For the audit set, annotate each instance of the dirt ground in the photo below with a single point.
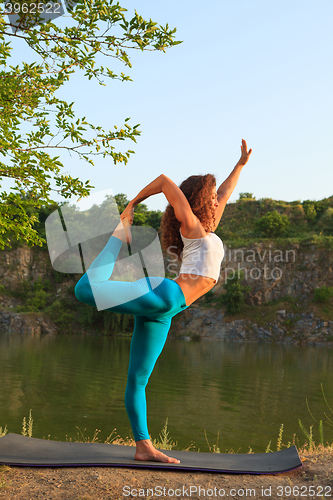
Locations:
(313, 480)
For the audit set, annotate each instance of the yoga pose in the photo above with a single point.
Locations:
(193, 214)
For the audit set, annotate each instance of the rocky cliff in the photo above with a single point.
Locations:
(272, 272)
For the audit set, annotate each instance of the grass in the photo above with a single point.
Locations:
(309, 447)
(27, 427)
(3, 432)
(165, 442)
(309, 434)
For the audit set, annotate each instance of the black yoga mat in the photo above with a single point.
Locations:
(32, 452)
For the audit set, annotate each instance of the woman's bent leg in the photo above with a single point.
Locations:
(95, 289)
(147, 343)
(99, 271)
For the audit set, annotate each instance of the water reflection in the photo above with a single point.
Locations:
(244, 392)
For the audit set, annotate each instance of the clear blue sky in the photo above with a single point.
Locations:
(248, 69)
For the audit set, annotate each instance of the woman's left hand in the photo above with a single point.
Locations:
(245, 153)
(128, 213)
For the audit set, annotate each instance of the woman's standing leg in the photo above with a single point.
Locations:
(147, 343)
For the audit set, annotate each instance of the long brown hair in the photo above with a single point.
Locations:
(197, 189)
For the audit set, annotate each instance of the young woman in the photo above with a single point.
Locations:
(193, 214)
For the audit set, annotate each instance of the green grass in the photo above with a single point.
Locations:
(3, 431)
(165, 442)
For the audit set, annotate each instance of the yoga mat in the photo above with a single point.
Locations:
(32, 452)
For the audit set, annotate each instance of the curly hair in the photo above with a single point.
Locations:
(197, 189)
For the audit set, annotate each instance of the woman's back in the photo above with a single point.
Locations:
(202, 256)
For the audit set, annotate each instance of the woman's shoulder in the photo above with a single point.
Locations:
(193, 229)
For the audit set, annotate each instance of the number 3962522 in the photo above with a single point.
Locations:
(32, 8)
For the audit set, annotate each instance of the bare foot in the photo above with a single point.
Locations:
(123, 231)
(146, 451)
(156, 456)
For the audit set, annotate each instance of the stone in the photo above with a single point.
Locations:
(281, 312)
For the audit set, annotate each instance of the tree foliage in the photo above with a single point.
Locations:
(246, 196)
(36, 125)
(234, 298)
(314, 209)
(273, 224)
(142, 216)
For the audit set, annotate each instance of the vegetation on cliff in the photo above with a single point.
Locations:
(245, 222)
(249, 220)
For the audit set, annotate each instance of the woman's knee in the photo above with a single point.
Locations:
(137, 379)
(135, 391)
(82, 290)
(79, 290)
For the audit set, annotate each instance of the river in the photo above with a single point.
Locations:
(236, 394)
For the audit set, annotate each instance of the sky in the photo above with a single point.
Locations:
(253, 69)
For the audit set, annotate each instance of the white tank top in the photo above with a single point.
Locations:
(202, 256)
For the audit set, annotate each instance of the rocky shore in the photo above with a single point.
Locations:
(32, 324)
(204, 323)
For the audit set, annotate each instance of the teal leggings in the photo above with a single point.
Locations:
(153, 309)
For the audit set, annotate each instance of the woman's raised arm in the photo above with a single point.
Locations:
(174, 195)
(227, 187)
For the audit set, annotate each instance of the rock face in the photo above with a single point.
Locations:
(273, 272)
(208, 323)
(270, 271)
(17, 266)
(23, 264)
(32, 324)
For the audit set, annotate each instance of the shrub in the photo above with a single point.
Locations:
(246, 196)
(111, 322)
(314, 209)
(325, 223)
(209, 296)
(60, 313)
(323, 294)
(273, 224)
(34, 295)
(234, 298)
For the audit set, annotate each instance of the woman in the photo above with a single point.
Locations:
(189, 222)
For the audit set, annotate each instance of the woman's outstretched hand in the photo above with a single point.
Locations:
(128, 213)
(245, 154)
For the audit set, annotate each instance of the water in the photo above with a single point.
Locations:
(241, 392)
